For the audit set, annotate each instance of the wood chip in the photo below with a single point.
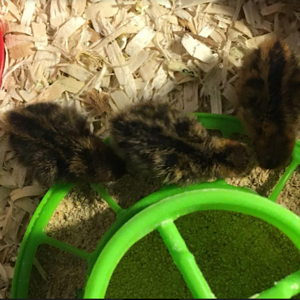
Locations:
(21, 51)
(43, 60)
(66, 30)
(28, 96)
(28, 12)
(26, 204)
(243, 28)
(27, 191)
(219, 9)
(16, 40)
(197, 49)
(135, 62)
(76, 71)
(40, 34)
(70, 84)
(121, 100)
(78, 7)
(108, 9)
(271, 9)
(140, 41)
(256, 41)
(13, 9)
(122, 72)
(51, 93)
(19, 28)
(57, 13)
(155, 11)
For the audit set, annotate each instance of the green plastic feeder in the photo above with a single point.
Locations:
(158, 211)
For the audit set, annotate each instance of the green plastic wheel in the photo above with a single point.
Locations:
(158, 211)
(161, 216)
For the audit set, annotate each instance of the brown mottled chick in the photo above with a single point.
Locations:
(269, 102)
(56, 145)
(160, 142)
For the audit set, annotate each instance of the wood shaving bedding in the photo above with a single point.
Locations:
(184, 52)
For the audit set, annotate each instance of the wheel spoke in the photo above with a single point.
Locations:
(283, 180)
(185, 261)
(110, 201)
(283, 289)
(66, 247)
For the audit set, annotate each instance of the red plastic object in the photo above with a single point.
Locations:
(2, 56)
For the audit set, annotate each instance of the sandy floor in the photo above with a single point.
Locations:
(80, 220)
(239, 255)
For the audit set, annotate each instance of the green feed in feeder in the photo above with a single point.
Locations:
(158, 211)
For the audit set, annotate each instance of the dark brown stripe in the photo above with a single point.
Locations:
(276, 73)
(182, 127)
(255, 83)
(256, 57)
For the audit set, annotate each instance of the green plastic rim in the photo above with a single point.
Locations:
(35, 233)
(161, 216)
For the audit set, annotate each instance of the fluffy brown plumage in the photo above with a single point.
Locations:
(269, 102)
(56, 145)
(160, 142)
